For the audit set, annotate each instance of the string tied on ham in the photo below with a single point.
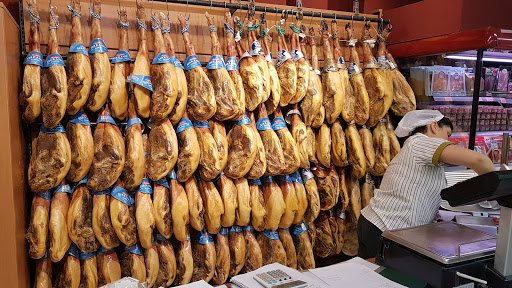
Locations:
(186, 29)
(141, 25)
(97, 16)
(253, 27)
(33, 17)
(238, 35)
(280, 31)
(155, 23)
(122, 24)
(168, 28)
(74, 13)
(228, 28)
(295, 29)
(264, 33)
(54, 19)
(213, 28)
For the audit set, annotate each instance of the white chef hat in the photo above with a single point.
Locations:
(415, 119)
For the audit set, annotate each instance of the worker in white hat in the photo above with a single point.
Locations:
(409, 194)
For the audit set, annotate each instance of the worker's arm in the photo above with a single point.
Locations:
(455, 155)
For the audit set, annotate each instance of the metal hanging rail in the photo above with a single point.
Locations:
(275, 10)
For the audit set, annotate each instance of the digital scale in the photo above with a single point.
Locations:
(448, 254)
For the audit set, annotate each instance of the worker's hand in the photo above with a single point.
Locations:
(455, 155)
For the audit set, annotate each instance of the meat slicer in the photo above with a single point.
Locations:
(447, 254)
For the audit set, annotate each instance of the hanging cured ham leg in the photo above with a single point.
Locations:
(256, 51)
(181, 99)
(179, 208)
(109, 153)
(189, 150)
(250, 72)
(286, 69)
(37, 232)
(162, 207)
(122, 214)
(273, 151)
(118, 92)
(30, 96)
(140, 80)
(201, 103)
(348, 108)
(312, 102)
(274, 86)
(59, 238)
(134, 166)
(228, 102)
(78, 67)
(378, 85)
(81, 143)
(301, 65)
(361, 102)
(232, 66)
(242, 149)
(53, 79)
(162, 150)
(80, 218)
(334, 87)
(99, 62)
(50, 160)
(163, 76)
(101, 223)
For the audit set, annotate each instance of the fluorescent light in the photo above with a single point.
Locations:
(488, 56)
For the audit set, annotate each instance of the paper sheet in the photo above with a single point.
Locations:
(198, 284)
(353, 275)
(359, 260)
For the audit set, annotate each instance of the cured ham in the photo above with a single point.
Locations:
(312, 102)
(313, 197)
(80, 218)
(236, 250)
(135, 163)
(274, 86)
(132, 263)
(89, 270)
(260, 161)
(109, 269)
(289, 247)
(162, 207)
(290, 151)
(271, 247)
(348, 108)
(301, 64)
(249, 70)
(162, 150)
(195, 204)
(339, 155)
(356, 156)
(232, 66)
(189, 151)
(201, 103)
(304, 247)
(203, 251)
(213, 205)
(145, 214)
(259, 212)
(256, 51)
(182, 95)
(219, 135)
(273, 151)
(37, 232)
(286, 70)
(377, 81)
(253, 253)
(152, 265)
(99, 62)
(167, 262)
(122, 214)
(382, 148)
(140, 78)
(179, 208)
(360, 94)
(101, 222)
(228, 193)
(275, 205)
(300, 135)
(109, 153)
(242, 149)
(53, 79)
(163, 76)
(78, 68)
(81, 143)
(333, 86)
(30, 96)
(290, 200)
(184, 262)
(222, 259)
(209, 162)
(228, 102)
(43, 275)
(118, 91)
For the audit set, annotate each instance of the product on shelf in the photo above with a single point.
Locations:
(274, 85)
(260, 162)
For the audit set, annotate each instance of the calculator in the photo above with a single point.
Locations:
(278, 279)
